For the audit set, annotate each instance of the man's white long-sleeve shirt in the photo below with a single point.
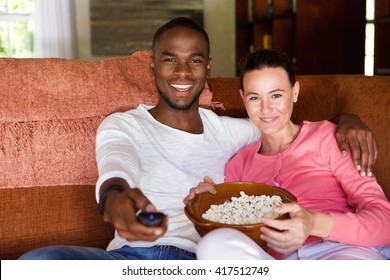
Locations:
(165, 163)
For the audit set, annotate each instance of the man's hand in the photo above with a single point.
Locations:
(352, 132)
(120, 210)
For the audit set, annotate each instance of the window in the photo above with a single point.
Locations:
(370, 32)
(16, 28)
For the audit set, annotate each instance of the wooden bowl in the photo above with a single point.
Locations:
(225, 191)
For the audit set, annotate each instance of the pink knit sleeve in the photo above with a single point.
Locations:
(368, 223)
(233, 169)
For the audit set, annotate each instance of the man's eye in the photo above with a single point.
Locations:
(277, 95)
(195, 61)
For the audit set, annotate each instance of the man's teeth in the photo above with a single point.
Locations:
(181, 86)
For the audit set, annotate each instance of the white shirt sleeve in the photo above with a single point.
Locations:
(116, 151)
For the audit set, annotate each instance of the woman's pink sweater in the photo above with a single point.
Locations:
(314, 170)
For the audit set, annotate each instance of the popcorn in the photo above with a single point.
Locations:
(244, 209)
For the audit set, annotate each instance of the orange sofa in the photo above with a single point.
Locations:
(50, 110)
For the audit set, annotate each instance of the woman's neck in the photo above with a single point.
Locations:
(273, 144)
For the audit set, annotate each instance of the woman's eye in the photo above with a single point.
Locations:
(277, 95)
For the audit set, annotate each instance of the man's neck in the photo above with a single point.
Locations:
(185, 120)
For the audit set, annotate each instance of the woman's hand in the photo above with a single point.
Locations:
(205, 186)
(293, 232)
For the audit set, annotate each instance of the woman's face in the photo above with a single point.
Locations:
(269, 98)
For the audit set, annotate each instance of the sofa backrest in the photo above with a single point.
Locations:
(50, 110)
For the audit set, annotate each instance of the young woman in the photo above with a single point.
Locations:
(339, 214)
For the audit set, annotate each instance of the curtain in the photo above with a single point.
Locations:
(55, 29)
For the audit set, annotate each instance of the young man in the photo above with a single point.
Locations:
(148, 158)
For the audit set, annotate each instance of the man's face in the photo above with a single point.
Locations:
(181, 65)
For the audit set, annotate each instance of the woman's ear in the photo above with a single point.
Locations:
(296, 91)
(242, 94)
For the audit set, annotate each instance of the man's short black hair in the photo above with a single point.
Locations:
(180, 22)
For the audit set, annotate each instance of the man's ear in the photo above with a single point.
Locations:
(152, 66)
(209, 67)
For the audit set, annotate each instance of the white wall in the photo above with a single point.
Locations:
(84, 30)
(219, 21)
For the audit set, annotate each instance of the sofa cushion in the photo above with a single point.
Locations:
(65, 215)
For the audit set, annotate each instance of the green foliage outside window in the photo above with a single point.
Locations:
(16, 28)
(17, 6)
